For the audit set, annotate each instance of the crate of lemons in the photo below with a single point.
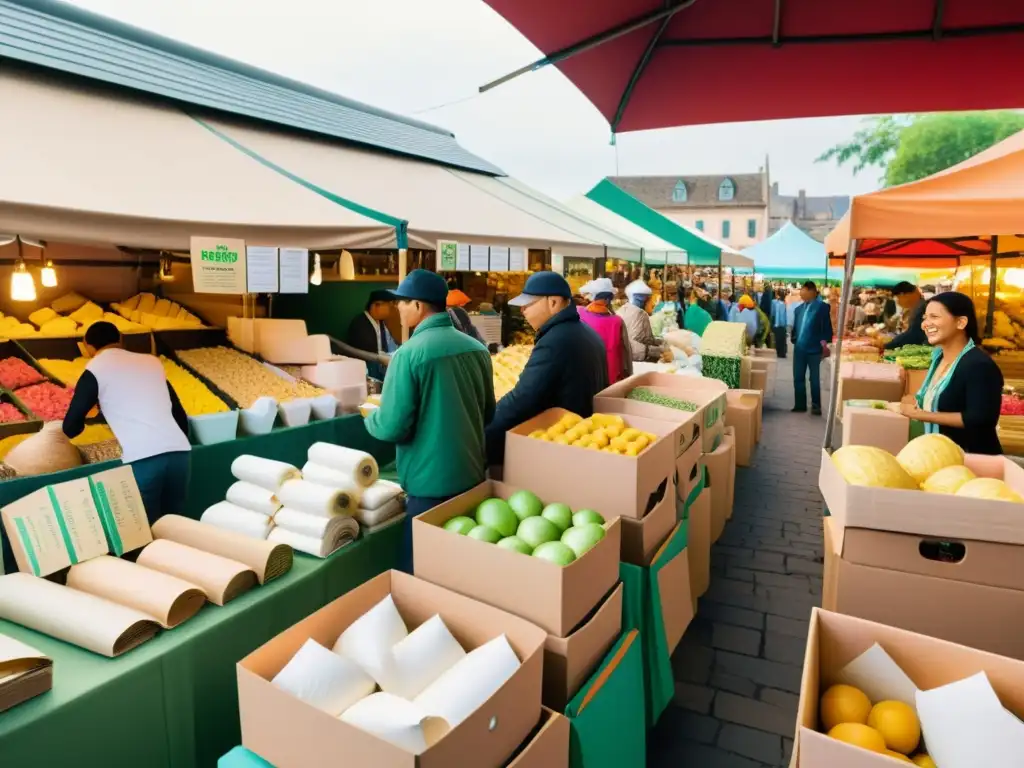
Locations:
(890, 728)
(605, 432)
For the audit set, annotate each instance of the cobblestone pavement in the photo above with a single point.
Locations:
(738, 667)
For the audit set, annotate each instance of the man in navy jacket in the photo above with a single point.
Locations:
(812, 332)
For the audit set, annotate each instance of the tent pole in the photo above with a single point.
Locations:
(844, 300)
(990, 314)
(719, 275)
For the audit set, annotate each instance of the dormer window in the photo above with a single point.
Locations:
(726, 190)
(679, 193)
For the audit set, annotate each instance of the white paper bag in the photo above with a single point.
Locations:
(323, 679)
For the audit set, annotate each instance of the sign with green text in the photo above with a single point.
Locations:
(218, 265)
(447, 255)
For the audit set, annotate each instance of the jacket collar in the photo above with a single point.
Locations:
(439, 320)
(568, 315)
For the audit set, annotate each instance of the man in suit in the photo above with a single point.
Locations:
(812, 332)
(369, 331)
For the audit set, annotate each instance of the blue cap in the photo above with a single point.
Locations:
(422, 285)
(541, 284)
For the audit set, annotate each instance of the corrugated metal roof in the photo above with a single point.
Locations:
(61, 37)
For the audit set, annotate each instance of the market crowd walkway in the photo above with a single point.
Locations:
(738, 668)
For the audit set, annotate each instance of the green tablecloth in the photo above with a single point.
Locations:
(173, 700)
(211, 464)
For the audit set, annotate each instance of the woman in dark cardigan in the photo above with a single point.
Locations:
(962, 394)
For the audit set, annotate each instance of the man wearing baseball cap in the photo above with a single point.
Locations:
(566, 368)
(438, 396)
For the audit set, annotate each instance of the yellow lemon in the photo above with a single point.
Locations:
(547, 438)
(897, 755)
(615, 420)
(583, 442)
(600, 438)
(631, 434)
(632, 450)
(859, 735)
(640, 442)
(619, 443)
(537, 434)
(593, 446)
(613, 430)
(571, 419)
(898, 724)
(574, 434)
(587, 425)
(599, 419)
(844, 704)
(563, 440)
(923, 761)
(651, 437)
(557, 429)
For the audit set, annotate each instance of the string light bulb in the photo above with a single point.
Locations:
(318, 275)
(23, 285)
(48, 275)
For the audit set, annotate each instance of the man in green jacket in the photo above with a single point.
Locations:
(438, 396)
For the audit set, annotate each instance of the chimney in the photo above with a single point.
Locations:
(775, 189)
(801, 210)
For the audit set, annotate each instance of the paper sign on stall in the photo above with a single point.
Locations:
(261, 269)
(294, 270)
(479, 258)
(447, 255)
(462, 258)
(55, 527)
(499, 258)
(218, 265)
(122, 513)
(517, 259)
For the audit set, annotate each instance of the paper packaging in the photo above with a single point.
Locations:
(221, 579)
(26, 673)
(54, 527)
(641, 538)
(870, 381)
(119, 502)
(707, 394)
(883, 576)
(553, 597)
(699, 544)
(743, 414)
(721, 481)
(549, 748)
(628, 485)
(569, 661)
(289, 733)
(873, 426)
(836, 640)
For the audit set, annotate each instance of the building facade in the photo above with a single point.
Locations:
(731, 208)
(815, 215)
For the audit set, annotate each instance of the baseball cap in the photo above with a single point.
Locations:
(422, 285)
(541, 284)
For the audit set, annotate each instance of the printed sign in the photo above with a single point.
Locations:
(218, 265)
(447, 255)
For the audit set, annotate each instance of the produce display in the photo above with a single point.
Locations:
(525, 525)
(150, 312)
(67, 372)
(47, 400)
(601, 432)
(243, 378)
(648, 395)
(9, 413)
(722, 348)
(912, 357)
(12, 328)
(889, 727)
(15, 372)
(196, 398)
(508, 366)
(932, 463)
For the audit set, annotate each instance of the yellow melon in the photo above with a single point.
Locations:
(873, 467)
(896, 755)
(844, 704)
(925, 455)
(990, 489)
(898, 724)
(863, 736)
(948, 480)
(923, 761)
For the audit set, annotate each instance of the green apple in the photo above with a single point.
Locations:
(497, 514)
(515, 544)
(537, 530)
(559, 514)
(483, 533)
(585, 516)
(525, 504)
(581, 538)
(555, 552)
(460, 525)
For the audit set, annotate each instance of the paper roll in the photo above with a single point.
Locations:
(371, 518)
(323, 679)
(221, 579)
(266, 473)
(422, 657)
(336, 535)
(369, 639)
(397, 721)
(267, 559)
(362, 466)
(464, 688)
(75, 617)
(167, 599)
(254, 498)
(232, 517)
(332, 478)
(316, 499)
(316, 526)
(377, 495)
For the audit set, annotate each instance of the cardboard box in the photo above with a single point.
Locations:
(570, 661)
(914, 381)
(707, 394)
(549, 747)
(699, 544)
(629, 485)
(641, 538)
(689, 469)
(290, 733)
(55, 527)
(742, 414)
(553, 597)
(119, 502)
(967, 592)
(759, 380)
(730, 439)
(677, 599)
(720, 477)
(872, 426)
(835, 640)
(870, 381)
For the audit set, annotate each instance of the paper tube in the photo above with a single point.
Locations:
(428, 652)
(373, 518)
(377, 495)
(323, 679)
(267, 559)
(221, 580)
(75, 617)
(397, 721)
(316, 546)
(464, 688)
(167, 599)
(266, 473)
(338, 528)
(369, 639)
(316, 499)
(232, 517)
(361, 466)
(332, 478)
(254, 498)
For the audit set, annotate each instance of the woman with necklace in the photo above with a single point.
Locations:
(962, 394)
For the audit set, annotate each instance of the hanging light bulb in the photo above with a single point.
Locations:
(23, 285)
(318, 276)
(166, 274)
(48, 275)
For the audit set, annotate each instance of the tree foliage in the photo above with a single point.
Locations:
(912, 147)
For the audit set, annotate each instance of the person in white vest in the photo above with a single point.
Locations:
(143, 412)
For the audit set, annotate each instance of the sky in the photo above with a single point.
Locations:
(427, 59)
